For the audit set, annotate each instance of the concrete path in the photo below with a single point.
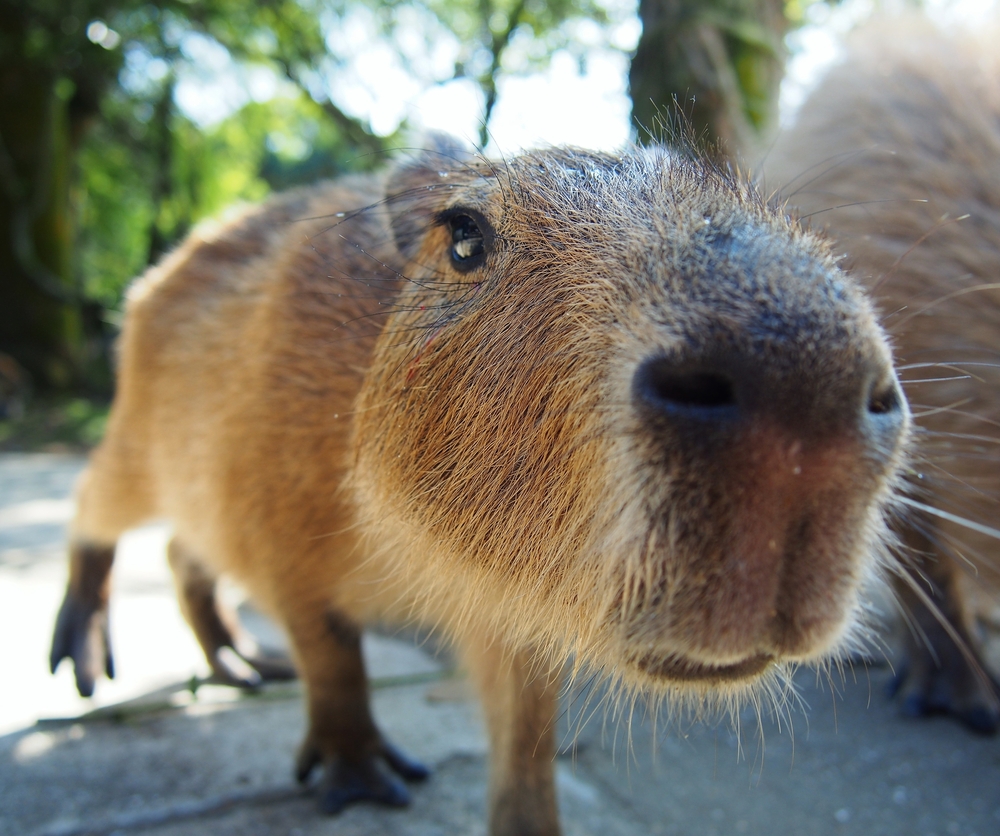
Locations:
(147, 755)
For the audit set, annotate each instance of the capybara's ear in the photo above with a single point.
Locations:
(414, 192)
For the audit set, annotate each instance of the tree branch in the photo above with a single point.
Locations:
(351, 129)
(498, 43)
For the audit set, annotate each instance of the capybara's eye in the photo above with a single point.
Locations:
(468, 243)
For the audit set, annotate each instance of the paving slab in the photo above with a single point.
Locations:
(152, 754)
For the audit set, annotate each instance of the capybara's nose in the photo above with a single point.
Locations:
(675, 390)
(704, 398)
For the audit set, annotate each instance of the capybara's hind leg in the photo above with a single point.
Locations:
(938, 674)
(520, 700)
(342, 735)
(81, 632)
(229, 654)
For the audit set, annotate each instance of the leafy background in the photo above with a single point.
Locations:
(125, 122)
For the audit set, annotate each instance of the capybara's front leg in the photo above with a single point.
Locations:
(520, 699)
(81, 631)
(941, 672)
(342, 735)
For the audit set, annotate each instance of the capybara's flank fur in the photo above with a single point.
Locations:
(897, 158)
(569, 405)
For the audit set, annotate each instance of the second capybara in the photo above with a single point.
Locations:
(613, 408)
(897, 156)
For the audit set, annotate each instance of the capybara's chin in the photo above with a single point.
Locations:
(748, 591)
(677, 670)
(763, 566)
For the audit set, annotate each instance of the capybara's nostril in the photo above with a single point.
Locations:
(885, 399)
(659, 383)
(886, 413)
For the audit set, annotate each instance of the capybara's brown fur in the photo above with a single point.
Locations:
(897, 157)
(570, 405)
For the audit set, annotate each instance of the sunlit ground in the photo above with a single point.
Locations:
(153, 646)
(853, 767)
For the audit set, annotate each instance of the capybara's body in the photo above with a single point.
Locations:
(571, 404)
(897, 157)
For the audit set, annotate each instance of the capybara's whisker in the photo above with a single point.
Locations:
(919, 412)
(943, 300)
(850, 205)
(989, 531)
(832, 163)
(911, 381)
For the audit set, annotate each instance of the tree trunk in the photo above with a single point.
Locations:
(40, 319)
(719, 61)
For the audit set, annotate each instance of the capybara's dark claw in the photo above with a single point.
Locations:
(913, 706)
(404, 766)
(81, 632)
(271, 668)
(981, 719)
(308, 758)
(899, 677)
(230, 668)
(944, 682)
(348, 783)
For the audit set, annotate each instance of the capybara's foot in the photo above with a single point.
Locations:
(946, 683)
(249, 670)
(81, 635)
(230, 668)
(347, 780)
(81, 631)
(938, 678)
(272, 668)
(942, 671)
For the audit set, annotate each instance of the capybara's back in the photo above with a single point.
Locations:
(218, 353)
(613, 408)
(897, 157)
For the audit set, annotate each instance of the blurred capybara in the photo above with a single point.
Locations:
(897, 156)
(568, 405)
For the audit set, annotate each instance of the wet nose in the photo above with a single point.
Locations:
(704, 397)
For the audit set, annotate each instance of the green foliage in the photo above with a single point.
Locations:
(147, 173)
(129, 173)
(55, 424)
(263, 146)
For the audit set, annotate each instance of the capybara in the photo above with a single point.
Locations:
(567, 405)
(897, 157)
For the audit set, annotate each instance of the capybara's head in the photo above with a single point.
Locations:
(623, 409)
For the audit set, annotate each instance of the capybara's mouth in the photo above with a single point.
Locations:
(679, 669)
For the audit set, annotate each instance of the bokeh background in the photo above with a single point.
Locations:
(123, 123)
